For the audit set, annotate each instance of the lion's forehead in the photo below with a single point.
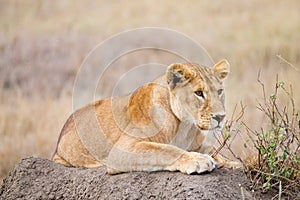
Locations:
(205, 78)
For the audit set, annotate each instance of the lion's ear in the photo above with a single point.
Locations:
(221, 69)
(178, 75)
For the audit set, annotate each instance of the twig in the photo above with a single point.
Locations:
(280, 191)
(287, 62)
(278, 176)
(242, 192)
(262, 85)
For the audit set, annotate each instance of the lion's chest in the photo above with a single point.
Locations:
(188, 137)
(209, 141)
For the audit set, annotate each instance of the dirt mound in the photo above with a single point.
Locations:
(37, 178)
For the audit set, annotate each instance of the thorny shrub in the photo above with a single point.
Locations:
(275, 163)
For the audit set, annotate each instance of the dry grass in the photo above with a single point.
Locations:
(29, 126)
(42, 44)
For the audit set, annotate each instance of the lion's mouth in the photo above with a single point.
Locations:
(206, 127)
(203, 128)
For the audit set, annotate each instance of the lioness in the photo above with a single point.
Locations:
(169, 124)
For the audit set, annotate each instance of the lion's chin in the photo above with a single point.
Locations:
(214, 127)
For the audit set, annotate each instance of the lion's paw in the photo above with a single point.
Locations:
(192, 162)
(232, 165)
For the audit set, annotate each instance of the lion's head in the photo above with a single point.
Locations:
(197, 93)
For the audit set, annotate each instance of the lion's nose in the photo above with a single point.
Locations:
(218, 118)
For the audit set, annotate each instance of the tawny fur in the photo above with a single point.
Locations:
(169, 124)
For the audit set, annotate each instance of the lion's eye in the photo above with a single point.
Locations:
(200, 93)
(220, 92)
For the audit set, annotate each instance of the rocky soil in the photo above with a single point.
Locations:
(38, 178)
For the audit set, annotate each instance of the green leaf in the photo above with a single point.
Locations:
(267, 185)
(273, 97)
(262, 150)
(284, 155)
(279, 84)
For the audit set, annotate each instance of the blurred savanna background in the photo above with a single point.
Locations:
(43, 43)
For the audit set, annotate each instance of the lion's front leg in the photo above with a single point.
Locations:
(131, 154)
